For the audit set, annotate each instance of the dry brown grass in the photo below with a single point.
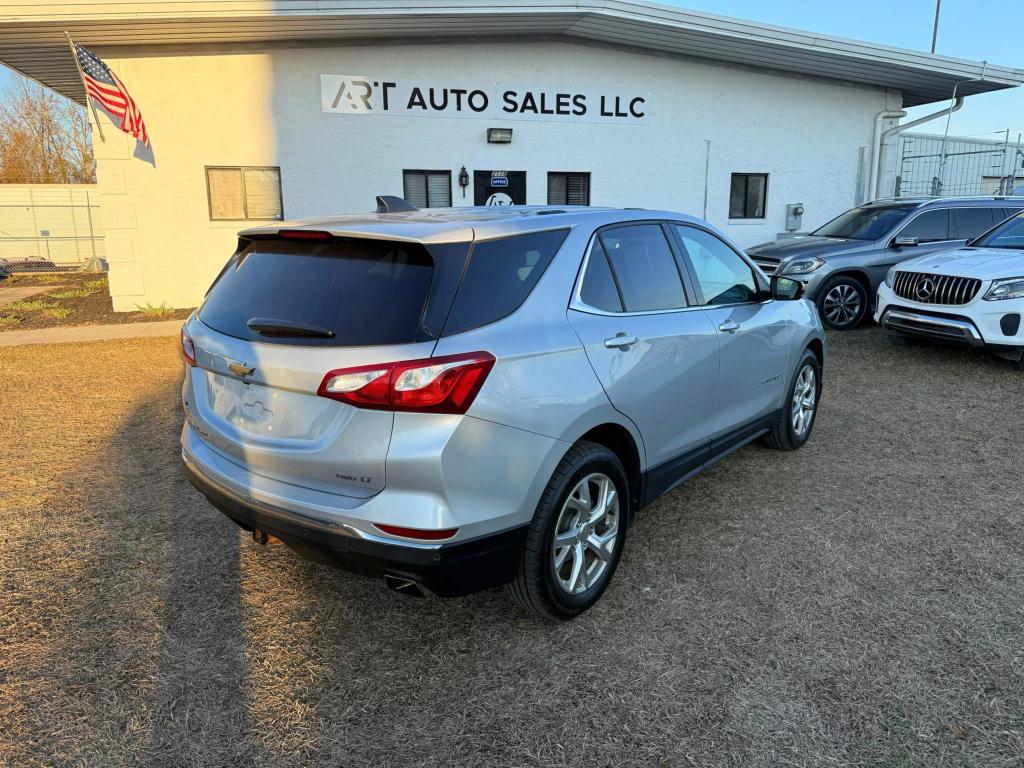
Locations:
(859, 602)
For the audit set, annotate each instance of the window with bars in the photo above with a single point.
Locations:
(244, 193)
(428, 189)
(568, 188)
(748, 195)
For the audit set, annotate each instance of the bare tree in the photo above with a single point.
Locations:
(44, 137)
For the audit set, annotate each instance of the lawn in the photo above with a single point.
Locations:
(69, 299)
(856, 603)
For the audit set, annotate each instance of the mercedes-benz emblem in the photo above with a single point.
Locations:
(925, 289)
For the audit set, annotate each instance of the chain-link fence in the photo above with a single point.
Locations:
(50, 227)
(930, 165)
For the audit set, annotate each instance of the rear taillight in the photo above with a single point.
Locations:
(434, 385)
(422, 534)
(188, 348)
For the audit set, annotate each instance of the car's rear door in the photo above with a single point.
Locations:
(753, 331)
(284, 313)
(655, 355)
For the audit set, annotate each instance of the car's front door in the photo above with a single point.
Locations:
(655, 354)
(753, 331)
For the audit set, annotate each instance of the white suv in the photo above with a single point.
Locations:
(972, 295)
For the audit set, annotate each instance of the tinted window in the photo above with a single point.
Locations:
(365, 291)
(748, 193)
(724, 277)
(598, 289)
(971, 222)
(500, 275)
(644, 268)
(865, 223)
(1009, 234)
(929, 226)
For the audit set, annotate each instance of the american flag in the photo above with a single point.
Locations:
(104, 86)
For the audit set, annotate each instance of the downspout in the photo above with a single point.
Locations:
(882, 136)
(876, 149)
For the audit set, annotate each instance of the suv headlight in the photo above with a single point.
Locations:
(890, 276)
(1011, 288)
(800, 265)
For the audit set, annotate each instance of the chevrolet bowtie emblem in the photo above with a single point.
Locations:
(241, 369)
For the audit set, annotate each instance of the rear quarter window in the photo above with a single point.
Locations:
(500, 275)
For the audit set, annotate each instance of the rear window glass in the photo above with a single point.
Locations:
(598, 289)
(500, 275)
(645, 268)
(365, 292)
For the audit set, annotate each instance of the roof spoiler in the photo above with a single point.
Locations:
(392, 204)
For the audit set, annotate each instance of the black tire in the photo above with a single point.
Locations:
(842, 288)
(784, 436)
(535, 586)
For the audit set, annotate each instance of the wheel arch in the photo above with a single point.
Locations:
(620, 441)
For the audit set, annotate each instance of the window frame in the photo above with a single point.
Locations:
(918, 214)
(746, 188)
(245, 202)
(763, 285)
(426, 183)
(567, 174)
(576, 301)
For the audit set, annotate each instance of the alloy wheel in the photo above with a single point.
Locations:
(842, 305)
(585, 534)
(805, 399)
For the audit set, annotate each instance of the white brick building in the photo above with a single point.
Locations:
(257, 110)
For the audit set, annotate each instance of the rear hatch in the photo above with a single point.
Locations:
(285, 312)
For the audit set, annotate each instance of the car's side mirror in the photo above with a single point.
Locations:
(786, 289)
(905, 242)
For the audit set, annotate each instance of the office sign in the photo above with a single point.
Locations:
(366, 95)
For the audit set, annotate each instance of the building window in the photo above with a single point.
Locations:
(748, 195)
(241, 193)
(428, 189)
(568, 189)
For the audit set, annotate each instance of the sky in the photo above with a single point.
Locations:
(968, 29)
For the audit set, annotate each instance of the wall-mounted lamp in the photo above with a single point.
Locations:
(499, 135)
(463, 180)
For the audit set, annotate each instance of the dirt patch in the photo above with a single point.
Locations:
(859, 602)
(69, 299)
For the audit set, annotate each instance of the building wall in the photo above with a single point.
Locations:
(259, 108)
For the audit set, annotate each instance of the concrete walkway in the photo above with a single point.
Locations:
(10, 294)
(81, 333)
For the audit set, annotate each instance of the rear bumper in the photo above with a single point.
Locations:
(446, 570)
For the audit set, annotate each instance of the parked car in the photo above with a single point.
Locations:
(842, 263)
(972, 295)
(462, 398)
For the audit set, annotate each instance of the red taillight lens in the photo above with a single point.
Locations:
(303, 234)
(188, 348)
(434, 385)
(417, 533)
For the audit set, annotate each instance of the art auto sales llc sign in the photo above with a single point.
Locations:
(363, 95)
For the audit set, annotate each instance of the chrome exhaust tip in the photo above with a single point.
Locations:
(402, 585)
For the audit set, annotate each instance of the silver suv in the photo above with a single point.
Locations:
(462, 398)
(842, 263)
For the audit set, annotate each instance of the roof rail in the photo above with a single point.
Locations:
(392, 204)
(942, 198)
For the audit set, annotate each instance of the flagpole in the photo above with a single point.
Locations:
(88, 99)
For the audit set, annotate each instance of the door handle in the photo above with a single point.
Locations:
(620, 341)
(729, 326)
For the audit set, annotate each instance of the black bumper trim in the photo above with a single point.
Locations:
(448, 570)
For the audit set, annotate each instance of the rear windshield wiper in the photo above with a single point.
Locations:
(266, 326)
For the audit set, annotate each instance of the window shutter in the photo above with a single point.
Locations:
(439, 190)
(578, 189)
(226, 200)
(263, 193)
(415, 188)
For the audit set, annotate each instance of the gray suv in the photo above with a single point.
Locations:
(842, 264)
(455, 399)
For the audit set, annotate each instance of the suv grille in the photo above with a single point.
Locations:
(768, 266)
(935, 289)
